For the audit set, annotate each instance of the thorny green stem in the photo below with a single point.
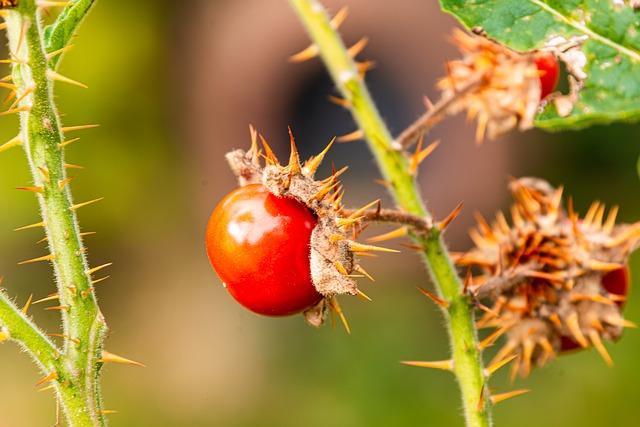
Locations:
(77, 368)
(467, 361)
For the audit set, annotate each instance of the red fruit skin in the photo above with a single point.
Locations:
(616, 282)
(549, 72)
(259, 245)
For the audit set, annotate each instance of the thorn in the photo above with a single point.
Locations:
(44, 172)
(64, 182)
(55, 53)
(32, 189)
(497, 398)
(67, 337)
(79, 127)
(108, 357)
(27, 304)
(88, 233)
(441, 302)
(420, 155)
(574, 327)
(305, 54)
(50, 377)
(268, 152)
(47, 3)
(83, 204)
(618, 321)
(96, 281)
(15, 110)
(442, 225)
(594, 336)
(398, 232)
(294, 158)
(359, 247)
(58, 308)
(13, 142)
(52, 75)
(49, 387)
(604, 266)
(344, 103)
(51, 297)
(312, 165)
(611, 220)
(365, 66)
(361, 270)
(333, 303)
(339, 18)
(67, 142)
(491, 338)
(445, 365)
(108, 411)
(364, 296)
(98, 268)
(26, 93)
(42, 258)
(72, 166)
(26, 227)
(491, 369)
(324, 190)
(360, 211)
(356, 135)
(338, 265)
(358, 47)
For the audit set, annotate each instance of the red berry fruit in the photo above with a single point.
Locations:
(259, 244)
(616, 282)
(549, 72)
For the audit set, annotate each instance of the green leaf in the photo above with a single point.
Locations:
(611, 90)
(58, 34)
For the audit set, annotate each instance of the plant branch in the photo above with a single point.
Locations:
(42, 138)
(434, 114)
(392, 216)
(467, 362)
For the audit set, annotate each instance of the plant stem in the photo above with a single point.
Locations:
(392, 216)
(467, 361)
(433, 115)
(42, 137)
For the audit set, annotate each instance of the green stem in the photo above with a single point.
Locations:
(41, 136)
(466, 356)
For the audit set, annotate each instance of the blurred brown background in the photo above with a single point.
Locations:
(174, 86)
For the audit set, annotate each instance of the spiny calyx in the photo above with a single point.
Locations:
(332, 257)
(498, 86)
(552, 281)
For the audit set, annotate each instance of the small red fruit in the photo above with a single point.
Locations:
(616, 282)
(549, 71)
(259, 244)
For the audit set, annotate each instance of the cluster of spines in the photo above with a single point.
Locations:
(542, 276)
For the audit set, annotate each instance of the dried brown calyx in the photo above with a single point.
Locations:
(495, 85)
(551, 281)
(333, 256)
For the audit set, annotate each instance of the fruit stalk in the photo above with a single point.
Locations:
(77, 367)
(467, 362)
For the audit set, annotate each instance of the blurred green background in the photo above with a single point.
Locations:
(174, 86)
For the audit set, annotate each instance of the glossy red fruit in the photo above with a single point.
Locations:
(259, 245)
(549, 72)
(616, 282)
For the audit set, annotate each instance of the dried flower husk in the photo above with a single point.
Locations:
(550, 281)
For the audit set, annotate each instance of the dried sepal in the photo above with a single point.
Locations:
(546, 278)
(507, 93)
